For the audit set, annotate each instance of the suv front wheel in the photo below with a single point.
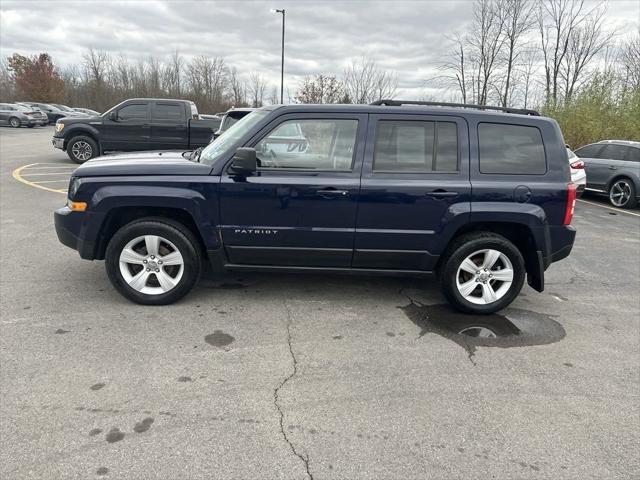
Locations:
(482, 273)
(153, 261)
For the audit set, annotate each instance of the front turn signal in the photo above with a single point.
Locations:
(77, 206)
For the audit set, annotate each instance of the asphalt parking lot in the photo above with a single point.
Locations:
(298, 377)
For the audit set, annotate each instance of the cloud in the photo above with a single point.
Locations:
(321, 36)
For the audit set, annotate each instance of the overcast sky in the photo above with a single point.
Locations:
(321, 36)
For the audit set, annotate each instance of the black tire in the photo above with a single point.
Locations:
(31, 125)
(632, 201)
(466, 245)
(176, 233)
(14, 122)
(82, 148)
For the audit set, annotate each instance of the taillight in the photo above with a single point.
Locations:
(571, 204)
(578, 164)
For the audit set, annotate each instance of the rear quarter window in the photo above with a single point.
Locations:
(511, 149)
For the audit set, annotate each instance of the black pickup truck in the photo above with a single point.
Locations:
(135, 124)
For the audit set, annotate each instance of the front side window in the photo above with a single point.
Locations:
(167, 111)
(136, 111)
(511, 149)
(309, 145)
(614, 152)
(416, 146)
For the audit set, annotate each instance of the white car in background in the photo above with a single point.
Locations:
(578, 175)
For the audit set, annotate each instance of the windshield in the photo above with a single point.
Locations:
(22, 108)
(216, 149)
(64, 108)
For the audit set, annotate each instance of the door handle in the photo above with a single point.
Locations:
(611, 167)
(332, 193)
(442, 194)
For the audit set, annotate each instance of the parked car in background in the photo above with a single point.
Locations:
(578, 175)
(16, 115)
(87, 111)
(133, 125)
(613, 168)
(53, 113)
(70, 111)
(230, 117)
(481, 199)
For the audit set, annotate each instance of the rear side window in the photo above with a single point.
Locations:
(416, 147)
(511, 149)
(167, 111)
(634, 155)
(614, 152)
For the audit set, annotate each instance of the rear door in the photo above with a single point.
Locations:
(131, 130)
(299, 208)
(169, 126)
(415, 180)
(613, 162)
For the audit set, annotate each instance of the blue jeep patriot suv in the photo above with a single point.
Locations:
(478, 196)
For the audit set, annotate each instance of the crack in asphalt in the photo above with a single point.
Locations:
(418, 303)
(276, 396)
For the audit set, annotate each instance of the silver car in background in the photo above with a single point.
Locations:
(613, 168)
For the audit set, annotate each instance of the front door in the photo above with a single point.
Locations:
(415, 182)
(299, 208)
(131, 130)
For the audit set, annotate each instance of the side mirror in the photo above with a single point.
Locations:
(244, 161)
(113, 116)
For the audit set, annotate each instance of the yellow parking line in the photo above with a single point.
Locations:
(17, 174)
(41, 174)
(610, 208)
(66, 180)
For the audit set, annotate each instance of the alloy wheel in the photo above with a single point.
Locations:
(81, 150)
(620, 193)
(484, 277)
(151, 264)
(15, 123)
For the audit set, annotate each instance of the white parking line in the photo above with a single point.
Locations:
(610, 208)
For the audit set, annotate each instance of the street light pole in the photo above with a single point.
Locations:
(282, 11)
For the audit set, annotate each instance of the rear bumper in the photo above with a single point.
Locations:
(562, 238)
(70, 227)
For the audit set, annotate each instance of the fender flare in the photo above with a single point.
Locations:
(110, 197)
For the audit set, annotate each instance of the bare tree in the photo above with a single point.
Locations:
(520, 19)
(237, 89)
(585, 42)
(256, 89)
(630, 58)
(320, 89)
(365, 82)
(486, 41)
(570, 36)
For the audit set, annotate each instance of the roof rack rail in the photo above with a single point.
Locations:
(399, 103)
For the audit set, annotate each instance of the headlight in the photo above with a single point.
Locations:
(59, 127)
(74, 186)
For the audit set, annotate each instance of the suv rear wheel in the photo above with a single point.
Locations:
(153, 261)
(622, 193)
(482, 273)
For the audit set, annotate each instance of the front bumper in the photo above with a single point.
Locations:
(71, 228)
(58, 142)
